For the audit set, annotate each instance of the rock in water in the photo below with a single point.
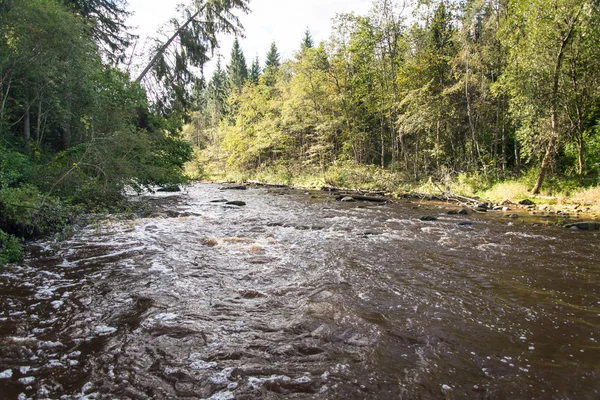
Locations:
(236, 203)
(347, 199)
(585, 226)
(428, 218)
(233, 187)
(169, 189)
(463, 211)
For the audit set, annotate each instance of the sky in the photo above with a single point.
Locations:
(282, 21)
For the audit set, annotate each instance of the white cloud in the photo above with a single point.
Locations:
(283, 21)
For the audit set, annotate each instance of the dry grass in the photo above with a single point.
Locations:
(512, 190)
(256, 250)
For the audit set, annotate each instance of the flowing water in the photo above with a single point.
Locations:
(302, 297)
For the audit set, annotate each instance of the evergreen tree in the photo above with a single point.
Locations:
(217, 95)
(307, 41)
(237, 69)
(273, 60)
(254, 71)
(272, 64)
(106, 19)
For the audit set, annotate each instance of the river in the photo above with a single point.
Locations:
(298, 296)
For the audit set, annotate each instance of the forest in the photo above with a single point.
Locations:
(475, 91)
(482, 91)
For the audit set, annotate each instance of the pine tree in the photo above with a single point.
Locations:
(307, 41)
(272, 57)
(254, 71)
(237, 69)
(272, 64)
(217, 93)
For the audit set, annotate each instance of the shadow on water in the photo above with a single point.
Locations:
(298, 296)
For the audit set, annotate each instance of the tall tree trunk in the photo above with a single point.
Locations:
(554, 104)
(38, 124)
(27, 123)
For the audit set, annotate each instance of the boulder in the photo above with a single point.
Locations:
(236, 203)
(526, 202)
(463, 211)
(506, 202)
(584, 226)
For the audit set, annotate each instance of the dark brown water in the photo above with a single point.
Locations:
(297, 297)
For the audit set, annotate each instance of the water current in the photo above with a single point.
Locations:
(297, 296)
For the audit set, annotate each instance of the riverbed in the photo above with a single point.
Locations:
(298, 296)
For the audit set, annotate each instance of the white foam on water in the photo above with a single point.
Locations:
(6, 374)
(156, 267)
(27, 380)
(56, 304)
(103, 330)
(227, 395)
(165, 317)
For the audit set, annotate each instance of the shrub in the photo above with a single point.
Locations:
(10, 248)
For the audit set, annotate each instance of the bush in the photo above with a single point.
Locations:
(27, 213)
(10, 248)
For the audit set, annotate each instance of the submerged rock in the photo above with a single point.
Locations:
(233, 187)
(585, 226)
(236, 203)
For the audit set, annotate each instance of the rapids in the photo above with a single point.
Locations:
(297, 296)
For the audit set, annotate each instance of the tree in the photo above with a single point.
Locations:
(272, 60)
(307, 41)
(254, 71)
(106, 18)
(237, 69)
(190, 46)
(540, 39)
(272, 64)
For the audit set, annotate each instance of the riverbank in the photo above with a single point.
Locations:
(561, 201)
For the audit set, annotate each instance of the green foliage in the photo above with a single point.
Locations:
(15, 167)
(76, 133)
(468, 95)
(237, 69)
(10, 248)
(27, 212)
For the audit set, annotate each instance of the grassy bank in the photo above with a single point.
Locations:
(558, 194)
